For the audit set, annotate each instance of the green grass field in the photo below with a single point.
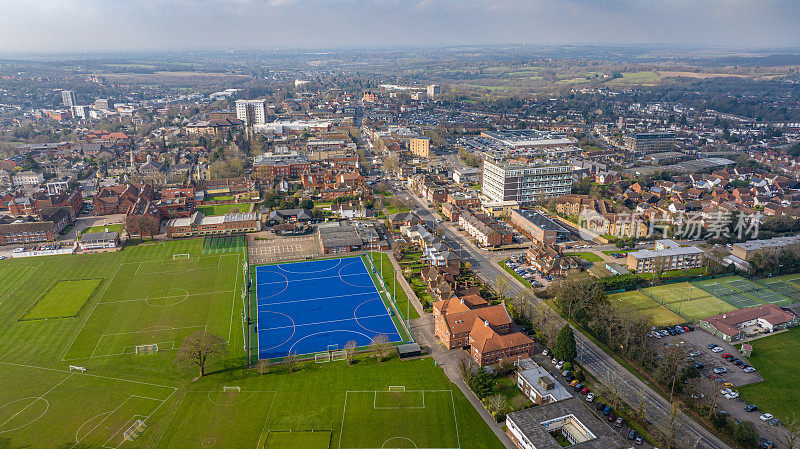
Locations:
(724, 289)
(775, 358)
(389, 279)
(642, 304)
(687, 300)
(146, 296)
(587, 256)
(64, 299)
(111, 228)
(222, 209)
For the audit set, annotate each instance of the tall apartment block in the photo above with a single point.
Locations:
(525, 183)
(650, 142)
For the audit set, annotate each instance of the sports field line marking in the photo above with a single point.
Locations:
(28, 271)
(88, 374)
(319, 322)
(452, 401)
(164, 429)
(266, 420)
(316, 299)
(375, 400)
(167, 297)
(78, 441)
(36, 399)
(89, 315)
(130, 422)
(308, 279)
(233, 302)
(204, 326)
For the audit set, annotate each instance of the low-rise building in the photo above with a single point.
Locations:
(339, 238)
(99, 240)
(538, 228)
(200, 225)
(746, 250)
(538, 385)
(667, 256)
(748, 322)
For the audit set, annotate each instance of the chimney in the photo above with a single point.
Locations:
(485, 323)
(462, 300)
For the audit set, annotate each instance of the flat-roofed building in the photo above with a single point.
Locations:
(538, 385)
(650, 142)
(666, 256)
(746, 250)
(538, 227)
(525, 183)
(748, 322)
(199, 224)
(530, 138)
(420, 146)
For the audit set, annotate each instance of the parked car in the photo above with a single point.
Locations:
(631, 434)
(618, 422)
(607, 411)
(694, 353)
(774, 422)
(717, 349)
(751, 408)
(738, 362)
(725, 391)
(585, 390)
(573, 382)
(720, 370)
(590, 397)
(18, 250)
(767, 444)
(732, 395)
(765, 417)
(612, 417)
(560, 364)
(554, 361)
(712, 346)
(545, 352)
(727, 384)
(600, 406)
(699, 365)
(726, 355)
(749, 369)
(578, 386)
(639, 439)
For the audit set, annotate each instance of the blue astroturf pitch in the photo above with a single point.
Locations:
(309, 307)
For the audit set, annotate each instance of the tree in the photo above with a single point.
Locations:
(292, 360)
(790, 436)
(263, 366)
(565, 348)
(501, 286)
(480, 382)
(745, 433)
(497, 403)
(380, 346)
(350, 352)
(198, 350)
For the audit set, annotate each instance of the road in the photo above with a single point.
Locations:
(599, 364)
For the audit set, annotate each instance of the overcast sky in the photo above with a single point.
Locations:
(75, 25)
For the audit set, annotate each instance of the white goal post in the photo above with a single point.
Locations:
(397, 388)
(229, 388)
(77, 368)
(146, 349)
(134, 431)
(339, 355)
(322, 357)
(180, 256)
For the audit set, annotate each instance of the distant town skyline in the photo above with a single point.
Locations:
(92, 25)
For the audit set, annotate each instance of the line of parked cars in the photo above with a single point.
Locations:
(670, 330)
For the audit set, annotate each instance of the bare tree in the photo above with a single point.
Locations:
(790, 436)
(501, 286)
(705, 391)
(263, 366)
(497, 403)
(380, 346)
(350, 352)
(198, 350)
(292, 360)
(614, 386)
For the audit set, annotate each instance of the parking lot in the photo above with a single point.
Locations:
(699, 341)
(528, 272)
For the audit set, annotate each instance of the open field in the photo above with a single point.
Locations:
(642, 304)
(587, 256)
(222, 209)
(698, 75)
(118, 228)
(63, 300)
(687, 300)
(775, 358)
(146, 296)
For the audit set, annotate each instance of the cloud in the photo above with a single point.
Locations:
(69, 25)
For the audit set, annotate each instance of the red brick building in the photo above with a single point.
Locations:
(119, 199)
(269, 166)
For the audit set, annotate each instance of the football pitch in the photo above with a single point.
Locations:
(78, 382)
(687, 300)
(642, 304)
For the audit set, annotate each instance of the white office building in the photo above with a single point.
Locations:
(525, 183)
(251, 112)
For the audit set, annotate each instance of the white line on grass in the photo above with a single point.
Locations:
(166, 297)
(89, 315)
(87, 374)
(39, 397)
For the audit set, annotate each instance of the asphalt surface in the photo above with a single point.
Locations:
(592, 358)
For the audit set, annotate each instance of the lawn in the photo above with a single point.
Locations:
(147, 297)
(640, 303)
(775, 358)
(687, 300)
(618, 251)
(111, 228)
(63, 300)
(222, 209)
(587, 256)
(389, 280)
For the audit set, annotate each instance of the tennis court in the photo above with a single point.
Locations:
(642, 304)
(758, 292)
(317, 306)
(688, 301)
(788, 286)
(721, 289)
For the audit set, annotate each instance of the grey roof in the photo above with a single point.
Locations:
(541, 221)
(532, 375)
(679, 251)
(343, 235)
(530, 420)
(282, 214)
(776, 242)
(92, 237)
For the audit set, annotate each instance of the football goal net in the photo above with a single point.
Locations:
(146, 349)
(180, 256)
(134, 431)
(77, 368)
(397, 388)
(322, 357)
(339, 355)
(229, 388)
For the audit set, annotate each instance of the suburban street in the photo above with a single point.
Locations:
(599, 364)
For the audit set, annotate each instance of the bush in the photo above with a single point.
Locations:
(480, 382)
(567, 366)
(745, 433)
(565, 348)
(719, 421)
